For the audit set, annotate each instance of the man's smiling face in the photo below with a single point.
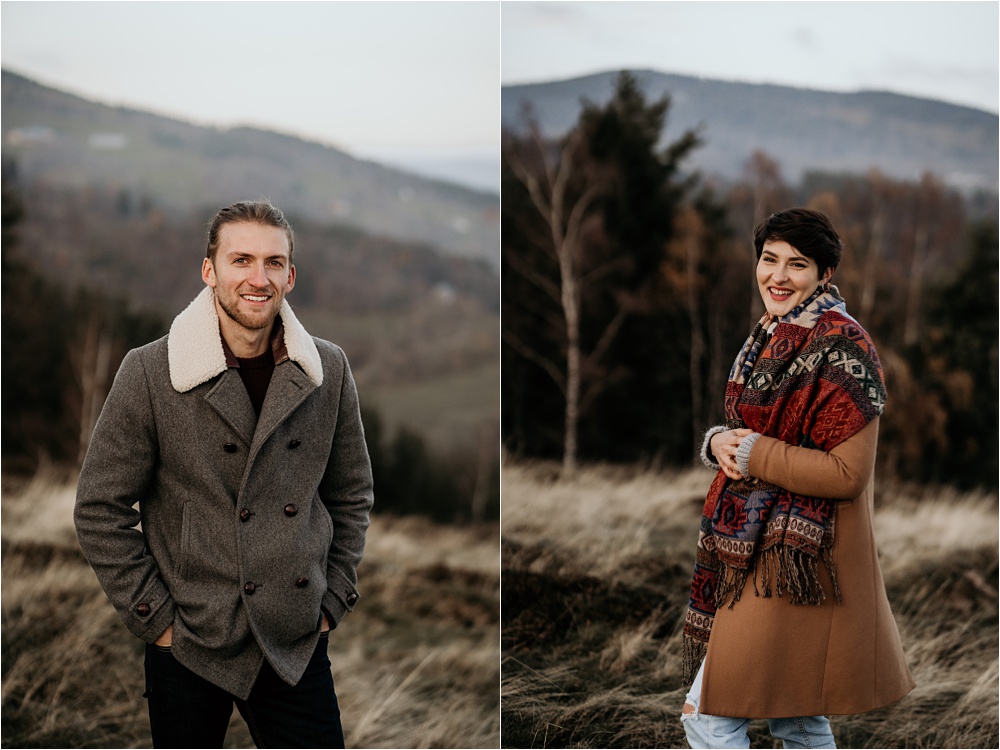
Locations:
(251, 273)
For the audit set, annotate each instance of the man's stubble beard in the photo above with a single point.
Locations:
(230, 308)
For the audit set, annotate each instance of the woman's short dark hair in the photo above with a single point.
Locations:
(808, 231)
(251, 212)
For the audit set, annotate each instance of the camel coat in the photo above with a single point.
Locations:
(768, 658)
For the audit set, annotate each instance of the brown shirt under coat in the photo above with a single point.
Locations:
(255, 372)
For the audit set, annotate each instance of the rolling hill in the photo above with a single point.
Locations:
(401, 271)
(802, 129)
(64, 140)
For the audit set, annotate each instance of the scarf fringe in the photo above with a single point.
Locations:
(794, 571)
(730, 584)
(694, 654)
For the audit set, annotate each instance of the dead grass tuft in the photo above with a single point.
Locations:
(595, 579)
(416, 665)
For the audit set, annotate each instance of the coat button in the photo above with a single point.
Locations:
(291, 509)
(352, 599)
(229, 447)
(142, 610)
(302, 582)
(295, 444)
(244, 515)
(249, 587)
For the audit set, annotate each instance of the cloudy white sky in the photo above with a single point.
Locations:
(939, 50)
(413, 80)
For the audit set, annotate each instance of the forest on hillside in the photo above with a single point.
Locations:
(91, 272)
(628, 288)
(68, 141)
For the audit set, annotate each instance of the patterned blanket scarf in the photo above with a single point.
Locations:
(811, 379)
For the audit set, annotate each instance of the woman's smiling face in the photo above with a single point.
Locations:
(786, 278)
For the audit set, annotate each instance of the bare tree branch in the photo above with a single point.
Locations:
(532, 275)
(610, 332)
(531, 355)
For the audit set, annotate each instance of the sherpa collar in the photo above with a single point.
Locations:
(194, 345)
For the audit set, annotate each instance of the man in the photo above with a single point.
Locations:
(240, 438)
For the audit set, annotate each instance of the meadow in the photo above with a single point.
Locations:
(415, 665)
(595, 579)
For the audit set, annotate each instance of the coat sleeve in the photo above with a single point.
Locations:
(841, 473)
(347, 492)
(115, 476)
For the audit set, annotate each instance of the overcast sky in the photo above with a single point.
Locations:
(374, 78)
(939, 50)
(412, 81)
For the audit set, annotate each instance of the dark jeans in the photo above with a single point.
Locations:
(186, 710)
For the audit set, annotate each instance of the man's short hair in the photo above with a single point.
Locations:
(252, 212)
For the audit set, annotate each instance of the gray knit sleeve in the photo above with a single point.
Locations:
(743, 453)
(707, 457)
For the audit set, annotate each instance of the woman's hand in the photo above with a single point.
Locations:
(724, 445)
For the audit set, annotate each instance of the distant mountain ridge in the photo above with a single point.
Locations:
(64, 139)
(801, 129)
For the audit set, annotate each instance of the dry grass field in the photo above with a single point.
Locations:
(595, 580)
(416, 665)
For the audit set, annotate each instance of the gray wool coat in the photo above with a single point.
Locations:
(250, 528)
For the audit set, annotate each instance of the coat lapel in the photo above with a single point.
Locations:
(289, 387)
(229, 398)
(195, 355)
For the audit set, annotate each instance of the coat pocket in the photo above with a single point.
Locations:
(185, 552)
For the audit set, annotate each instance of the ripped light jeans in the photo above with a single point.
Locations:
(704, 731)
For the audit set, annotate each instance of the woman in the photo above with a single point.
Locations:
(788, 619)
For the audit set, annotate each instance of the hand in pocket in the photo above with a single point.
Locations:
(166, 638)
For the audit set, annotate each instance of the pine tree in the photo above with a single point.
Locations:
(595, 364)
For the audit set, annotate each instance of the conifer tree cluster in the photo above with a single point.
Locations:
(628, 287)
